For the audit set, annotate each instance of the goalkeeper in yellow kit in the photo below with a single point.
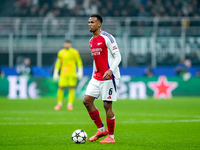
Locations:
(67, 62)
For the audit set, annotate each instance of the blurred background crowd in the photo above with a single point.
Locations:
(150, 33)
(137, 8)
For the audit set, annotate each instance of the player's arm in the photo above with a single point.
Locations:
(57, 68)
(117, 60)
(79, 65)
(113, 48)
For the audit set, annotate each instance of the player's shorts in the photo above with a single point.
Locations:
(67, 81)
(105, 90)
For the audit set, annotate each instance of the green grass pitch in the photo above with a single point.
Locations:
(140, 124)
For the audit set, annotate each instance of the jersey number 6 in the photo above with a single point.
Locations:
(110, 91)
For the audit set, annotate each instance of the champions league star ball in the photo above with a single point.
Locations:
(79, 136)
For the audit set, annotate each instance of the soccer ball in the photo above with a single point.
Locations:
(79, 136)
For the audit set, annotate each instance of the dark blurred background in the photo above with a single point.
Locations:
(154, 36)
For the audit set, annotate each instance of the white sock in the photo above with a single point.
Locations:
(113, 117)
(102, 129)
(112, 136)
(60, 103)
(69, 104)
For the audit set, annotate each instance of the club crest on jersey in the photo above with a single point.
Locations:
(114, 47)
(99, 43)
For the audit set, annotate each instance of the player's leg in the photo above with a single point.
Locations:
(108, 96)
(88, 101)
(60, 92)
(71, 95)
(110, 120)
(92, 92)
(60, 95)
(95, 116)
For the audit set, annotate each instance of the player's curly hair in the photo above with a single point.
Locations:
(99, 17)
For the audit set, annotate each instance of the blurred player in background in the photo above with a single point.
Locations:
(105, 78)
(24, 66)
(67, 63)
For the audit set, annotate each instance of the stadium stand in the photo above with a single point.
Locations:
(156, 32)
(137, 8)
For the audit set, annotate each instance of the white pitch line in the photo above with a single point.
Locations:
(119, 114)
(38, 112)
(14, 118)
(124, 122)
(160, 115)
(44, 123)
(162, 121)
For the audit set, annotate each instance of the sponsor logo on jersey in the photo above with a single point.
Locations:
(115, 47)
(96, 51)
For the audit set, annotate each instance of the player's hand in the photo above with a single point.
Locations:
(55, 75)
(79, 76)
(107, 75)
(80, 73)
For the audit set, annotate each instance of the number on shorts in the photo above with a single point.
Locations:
(110, 91)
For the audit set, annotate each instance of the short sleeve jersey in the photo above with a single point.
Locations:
(102, 49)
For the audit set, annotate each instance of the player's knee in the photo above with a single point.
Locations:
(107, 105)
(86, 102)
